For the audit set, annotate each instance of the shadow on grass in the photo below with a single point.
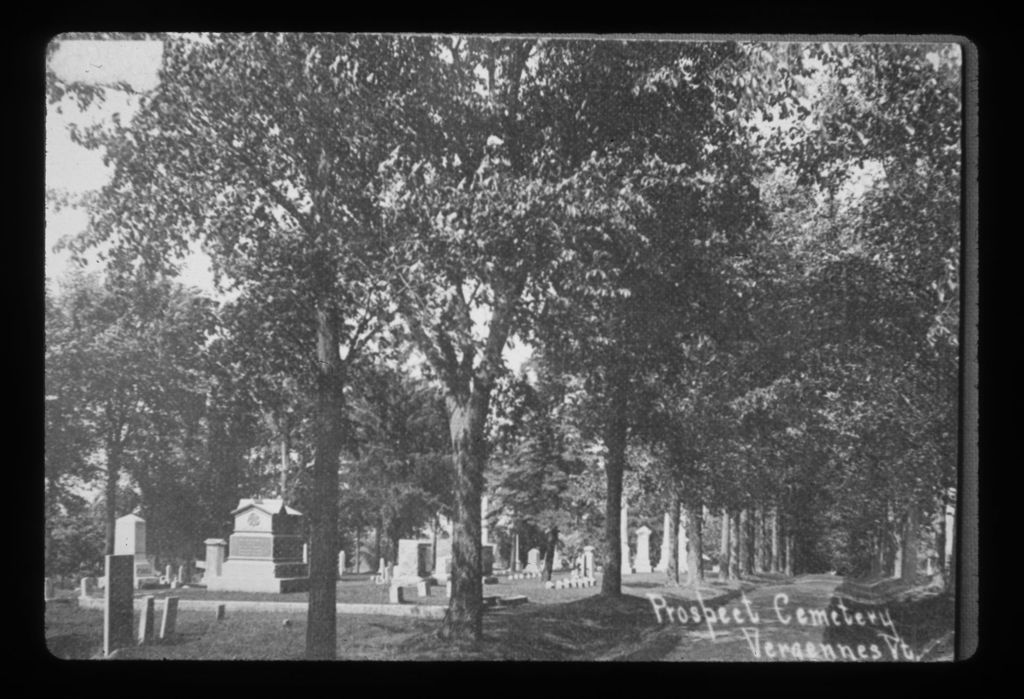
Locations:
(925, 624)
(592, 628)
(74, 646)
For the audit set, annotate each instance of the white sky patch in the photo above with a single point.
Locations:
(109, 62)
(196, 270)
(70, 168)
(514, 356)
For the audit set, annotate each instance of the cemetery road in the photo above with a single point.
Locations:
(768, 624)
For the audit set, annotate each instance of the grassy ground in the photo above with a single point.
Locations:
(924, 614)
(573, 624)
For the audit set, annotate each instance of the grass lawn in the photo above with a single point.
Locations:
(573, 624)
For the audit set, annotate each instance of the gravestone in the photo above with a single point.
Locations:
(88, 587)
(222, 611)
(264, 551)
(181, 576)
(484, 534)
(588, 562)
(624, 539)
(682, 557)
(118, 598)
(215, 550)
(643, 553)
(533, 561)
(556, 560)
(47, 589)
(414, 561)
(448, 589)
(396, 595)
(341, 563)
(146, 620)
(169, 619)
(423, 588)
(130, 540)
(663, 560)
(384, 573)
(168, 573)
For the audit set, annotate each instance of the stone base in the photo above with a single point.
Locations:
(407, 580)
(261, 576)
(243, 584)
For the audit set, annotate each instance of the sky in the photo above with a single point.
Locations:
(77, 170)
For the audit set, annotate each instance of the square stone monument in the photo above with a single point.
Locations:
(663, 559)
(533, 561)
(414, 561)
(264, 551)
(587, 568)
(130, 540)
(642, 563)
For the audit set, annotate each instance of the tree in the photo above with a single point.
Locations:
(399, 476)
(262, 147)
(68, 441)
(470, 210)
(535, 459)
(658, 215)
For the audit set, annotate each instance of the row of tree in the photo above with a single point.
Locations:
(674, 227)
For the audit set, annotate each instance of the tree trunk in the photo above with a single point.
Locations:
(433, 547)
(782, 543)
(908, 571)
(876, 553)
(466, 416)
(939, 530)
(673, 532)
(113, 475)
(321, 628)
(285, 448)
(549, 555)
(752, 542)
(776, 554)
(734, 548)
(757, 523)
(695, 540)
(789, 554)
(359, 536)
(376, 542)
(615, 464)
(726, 550)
